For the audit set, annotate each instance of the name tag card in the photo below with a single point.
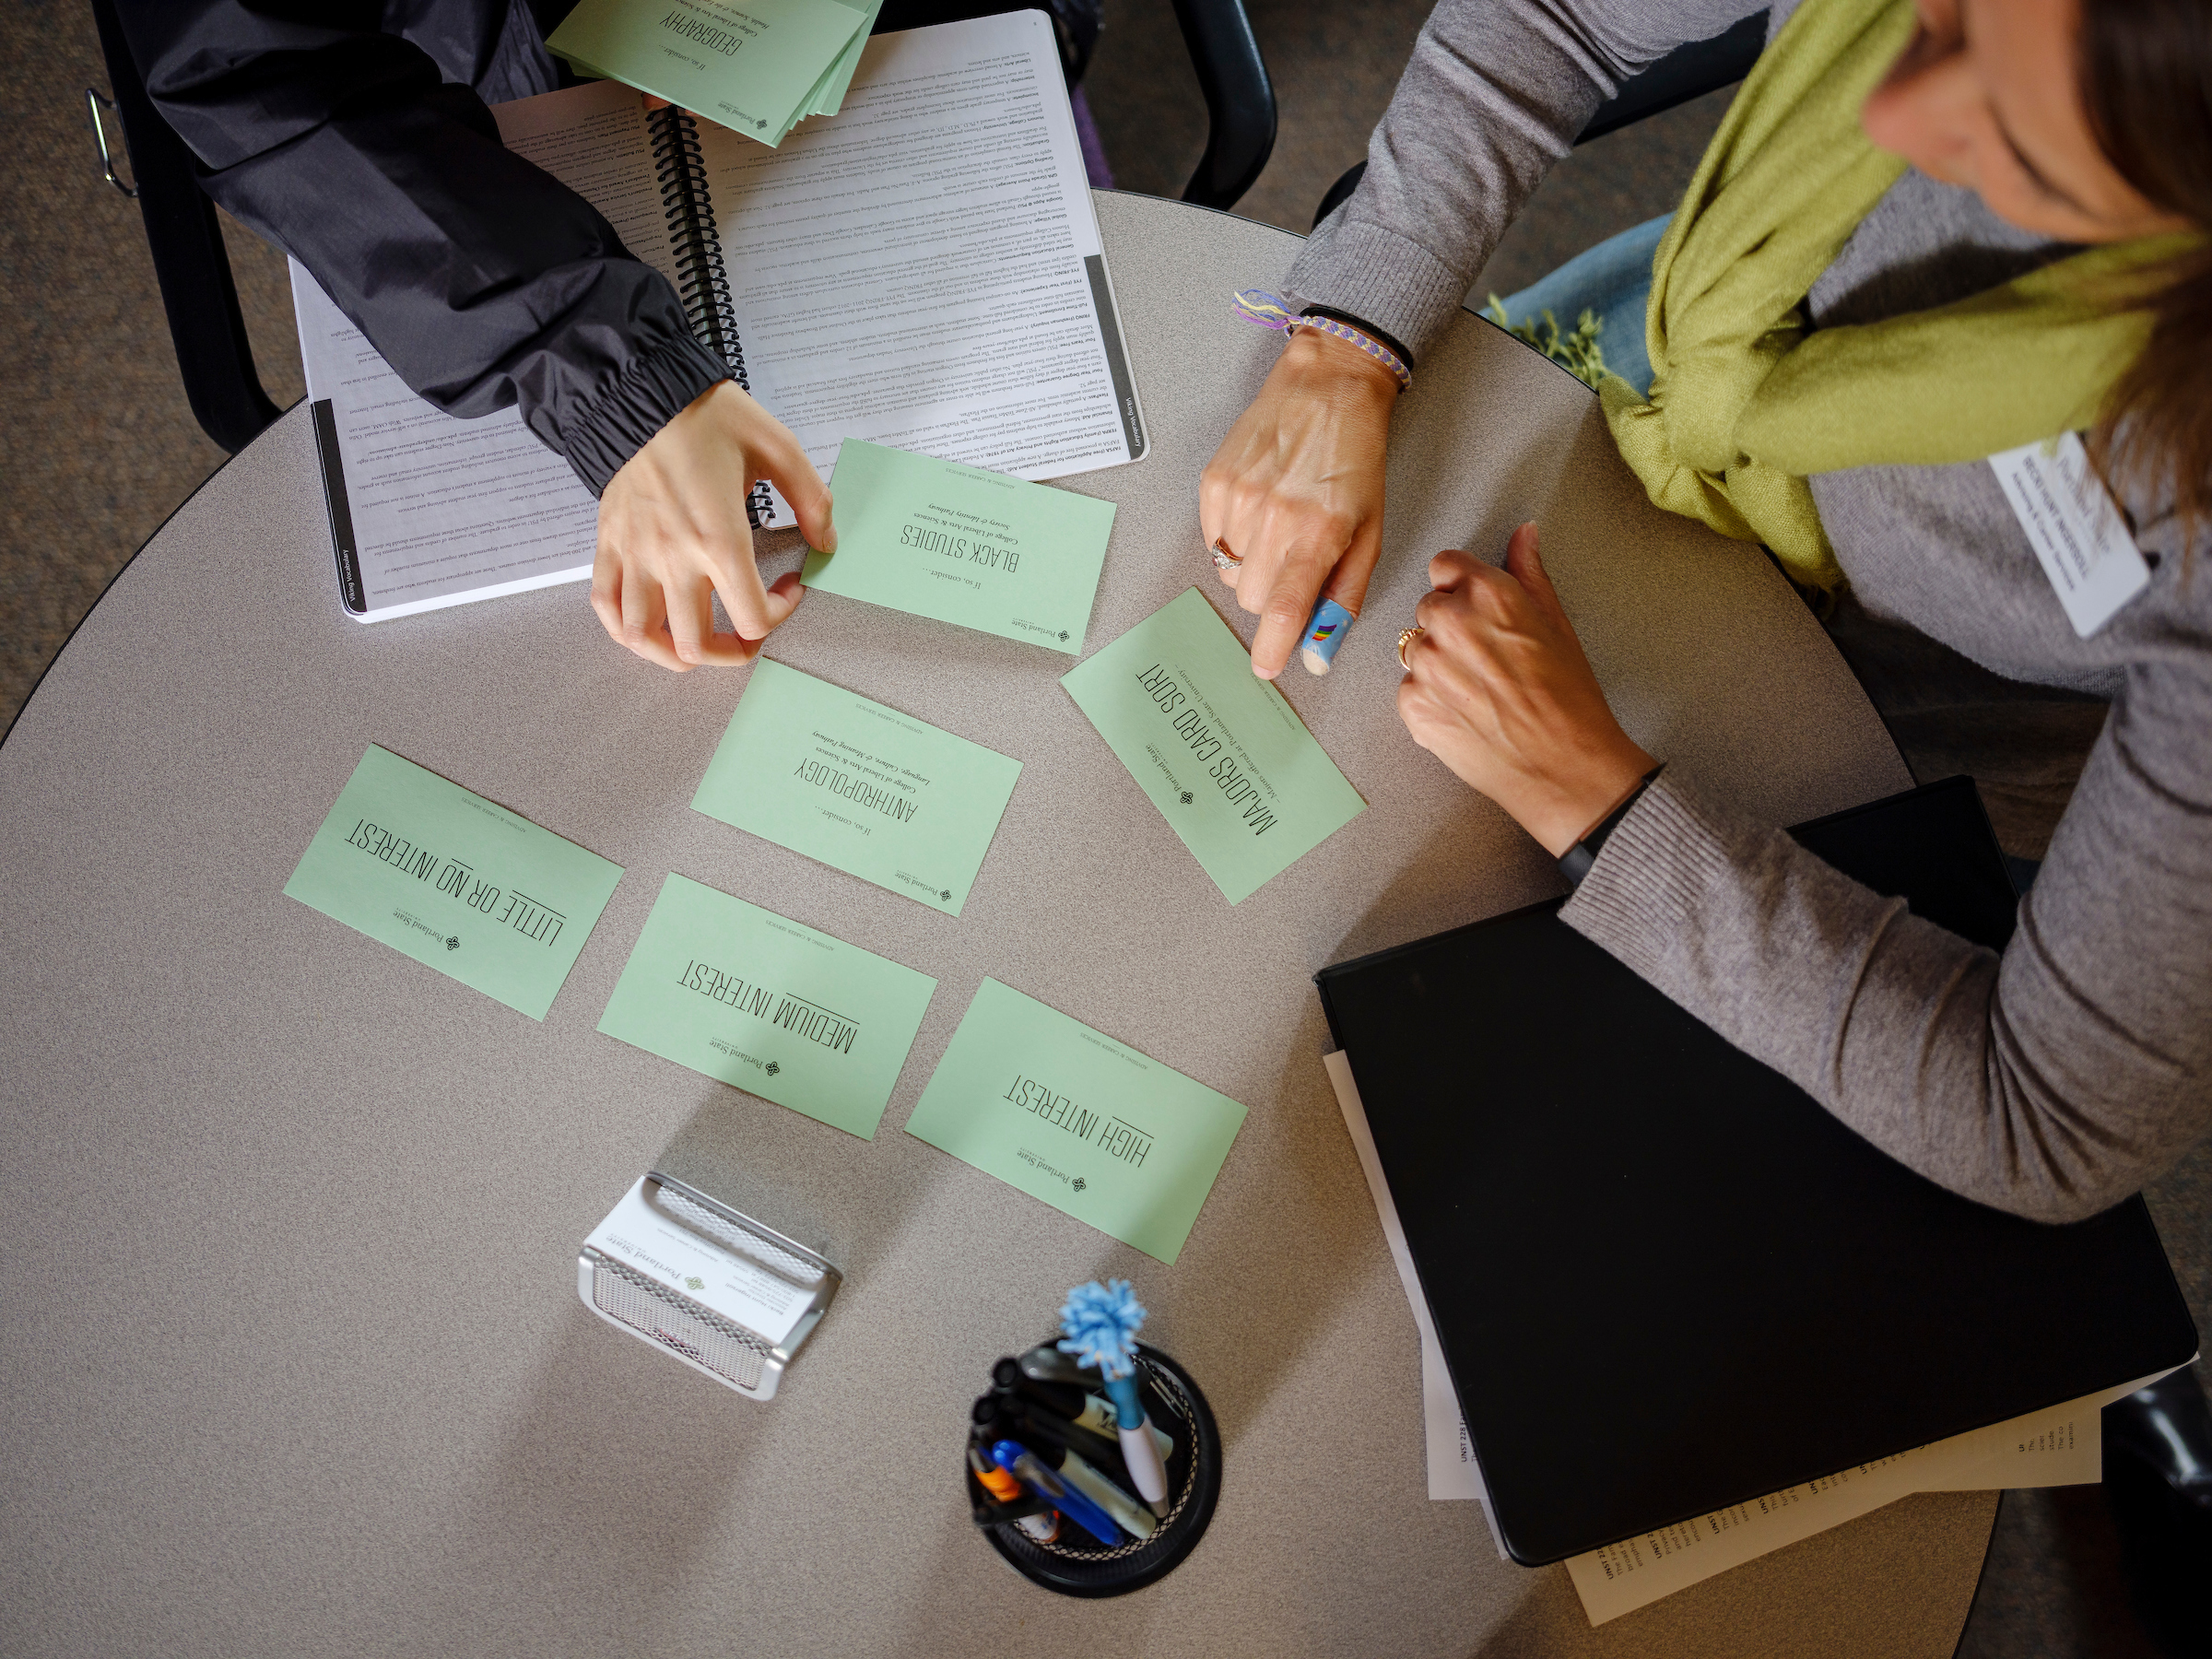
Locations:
(455, 881)
(2093, 564)
(742, 996)
(1092, 1127)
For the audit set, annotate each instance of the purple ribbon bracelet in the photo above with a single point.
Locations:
(1270, 311)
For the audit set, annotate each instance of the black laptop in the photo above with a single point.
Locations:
(1664, 1279)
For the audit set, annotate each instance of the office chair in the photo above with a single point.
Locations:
(194, 268)
(1690, 71)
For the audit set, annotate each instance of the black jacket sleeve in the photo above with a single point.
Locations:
(484, 281)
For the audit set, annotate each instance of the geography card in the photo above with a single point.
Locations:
(959, 544)
(1217, 749)
(757, 67)
(454, 881)
(863, 788)
(1094, 1128)
(768, 1006)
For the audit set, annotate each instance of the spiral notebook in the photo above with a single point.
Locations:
(922, 271)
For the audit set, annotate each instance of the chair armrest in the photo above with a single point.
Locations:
(1239, 99)
(1688, 71)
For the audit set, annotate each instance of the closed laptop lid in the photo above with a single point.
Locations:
(1664, 1279)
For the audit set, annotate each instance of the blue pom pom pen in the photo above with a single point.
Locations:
(1098, 1326)
(1325, 633)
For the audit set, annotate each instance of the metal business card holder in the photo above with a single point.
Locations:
(708, 1342)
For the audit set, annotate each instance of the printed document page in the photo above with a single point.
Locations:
(925, 270)
(427, 511)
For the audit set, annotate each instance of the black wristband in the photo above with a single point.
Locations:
(1361, 324)
(1574, 864)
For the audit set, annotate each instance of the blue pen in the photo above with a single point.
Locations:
(1019, 1460)
(1324, 632)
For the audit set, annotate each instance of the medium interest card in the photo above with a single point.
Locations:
(1096, 1130)
(770, 1005)
(863, 788)
(1217, 749)
(453, 880)
(959, 544)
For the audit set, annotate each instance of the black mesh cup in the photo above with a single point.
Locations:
(1084, 1568)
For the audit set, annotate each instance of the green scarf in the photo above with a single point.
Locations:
(1746, 401)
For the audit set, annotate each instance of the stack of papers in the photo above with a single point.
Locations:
(757, 67)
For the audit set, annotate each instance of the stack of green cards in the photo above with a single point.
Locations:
(744, 995)
(454, 881)
(758, 67)
(1217, 749)
(959, 543)
(865, 789)
(1094, 1128)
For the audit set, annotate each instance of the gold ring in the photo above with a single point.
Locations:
(1406, 638)
(1224, 559)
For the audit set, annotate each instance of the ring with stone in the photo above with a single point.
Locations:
(1405, 637)
(1224, 561)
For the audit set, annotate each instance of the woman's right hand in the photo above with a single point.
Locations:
(1295, 491)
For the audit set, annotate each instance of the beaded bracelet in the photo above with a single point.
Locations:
(1269, 310)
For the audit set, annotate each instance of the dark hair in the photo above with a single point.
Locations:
(2146, 68)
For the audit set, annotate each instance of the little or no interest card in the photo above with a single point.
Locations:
(958, 544)
(1217, 749)
(454, 881)
(1089, 1125)
(774, 1007)
(865, 789)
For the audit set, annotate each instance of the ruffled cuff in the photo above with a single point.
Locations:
(1398, 285)
(600, 436)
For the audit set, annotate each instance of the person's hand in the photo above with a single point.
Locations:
(673, 533)
(1498, 689)
(1295, 491)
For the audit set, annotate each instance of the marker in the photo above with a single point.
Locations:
(1325, 633)
(1129, 1515)
(1020, 1462)
(1050, 1365)
(1098, 1415)
(1001, 1486)
(1001, 1418)
(1066, 1398)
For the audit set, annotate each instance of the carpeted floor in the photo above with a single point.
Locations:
(101, 448)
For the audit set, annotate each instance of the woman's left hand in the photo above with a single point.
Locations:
(1498, 689)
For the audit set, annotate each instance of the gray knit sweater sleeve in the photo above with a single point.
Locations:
(1496, 92)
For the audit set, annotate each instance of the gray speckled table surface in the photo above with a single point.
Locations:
(292, 1354)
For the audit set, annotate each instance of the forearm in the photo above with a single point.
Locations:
(2049, 1082)
(481, 279)
(1496, 92)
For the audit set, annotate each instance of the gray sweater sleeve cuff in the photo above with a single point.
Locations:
(1380, 276)
(599, 437)
(1643, 891)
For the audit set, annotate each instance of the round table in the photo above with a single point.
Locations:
(294, 1359)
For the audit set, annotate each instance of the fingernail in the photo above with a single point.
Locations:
(1324, 634)
(1265, 673)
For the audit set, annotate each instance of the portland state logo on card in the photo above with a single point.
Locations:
(452, 941)
(1080, 1183)
(947, 895)
(1187, 798)
(773, 1069)
(696, 1284)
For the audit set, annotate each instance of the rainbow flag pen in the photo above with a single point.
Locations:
(1325, 633)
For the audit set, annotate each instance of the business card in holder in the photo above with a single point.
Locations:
(663, 1288)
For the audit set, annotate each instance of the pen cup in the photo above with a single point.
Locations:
(1074, 1565)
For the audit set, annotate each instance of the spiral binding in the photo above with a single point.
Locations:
(702, 281)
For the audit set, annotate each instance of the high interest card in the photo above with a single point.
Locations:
(1217, 749)
(863, 788)
(768, 1006)
(959, 544)
(1094, 1128)
(459, 883)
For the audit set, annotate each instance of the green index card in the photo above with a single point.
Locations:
(1217, 749)
(863, 788)
(959, 544)
(454, 881)
(751, 65)
(770, 1005)
(1094, 1128)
